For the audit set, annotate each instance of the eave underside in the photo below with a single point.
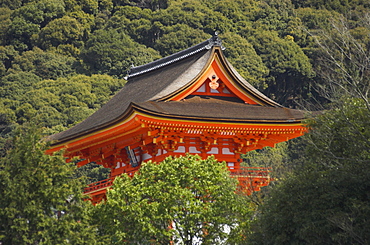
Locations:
(205, 110)
(144, 129)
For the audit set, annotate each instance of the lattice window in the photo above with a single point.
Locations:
(219, 89)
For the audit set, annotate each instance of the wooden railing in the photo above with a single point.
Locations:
(100, 185)
(249, 172)
(251, 179)
(244, 174)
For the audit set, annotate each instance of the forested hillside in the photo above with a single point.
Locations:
(61, 60)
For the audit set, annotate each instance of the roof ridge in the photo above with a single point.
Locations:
(206, 45)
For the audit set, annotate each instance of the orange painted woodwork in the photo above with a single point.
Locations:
(193, 102)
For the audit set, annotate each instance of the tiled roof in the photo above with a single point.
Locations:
(140, 88)
(149, 84)
(206, 45)
(221, 109)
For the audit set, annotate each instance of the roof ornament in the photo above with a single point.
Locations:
(132, 66)
(215, 41)
(206, 45)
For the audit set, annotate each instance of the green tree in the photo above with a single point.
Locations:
(93, 172)
(315, 19)
(28, 19)
(47, 65)
(151, 4)
(11, 4)
(5, 21)
(20, 32)
(40, 201)
(41, 11)
(325, 200)
(178, 37)
(186, 200)
(55, 103)
(7, 119)
(244, 58)
(65, 30)
(102, 86)
(275, 158)
(290, 69)
(7, 54)
(88, 6)
(113, 53)
(15, 85)
(196, 15)
(339, 6)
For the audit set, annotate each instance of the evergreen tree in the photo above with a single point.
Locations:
(40, 201)
(326, 200)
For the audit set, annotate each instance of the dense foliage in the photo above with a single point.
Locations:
(40, 201)
(60, 60)
(187, 200)
(325, 200)
(45, 44)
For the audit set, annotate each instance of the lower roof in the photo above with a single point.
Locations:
(220, 109)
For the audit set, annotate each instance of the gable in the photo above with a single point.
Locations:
(178, 77)
(217, 80)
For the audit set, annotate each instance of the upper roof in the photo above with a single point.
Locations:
(150, 87)
(206, 45)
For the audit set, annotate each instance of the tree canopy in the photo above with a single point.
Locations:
(40, 201)
(325, 199)
(186, 200)
(265, 39)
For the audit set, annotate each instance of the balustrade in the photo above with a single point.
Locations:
(251, 178)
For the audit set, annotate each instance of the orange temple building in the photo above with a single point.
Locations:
(194, 102)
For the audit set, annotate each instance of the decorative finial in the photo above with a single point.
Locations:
(215, 41)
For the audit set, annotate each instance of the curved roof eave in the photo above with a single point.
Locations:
(252, 90)
(216, 109)
(274, 122)
(157, 81)
(140, 88)
(182, 84)
(286, 116)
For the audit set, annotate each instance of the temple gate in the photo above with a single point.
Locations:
(192, 102)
